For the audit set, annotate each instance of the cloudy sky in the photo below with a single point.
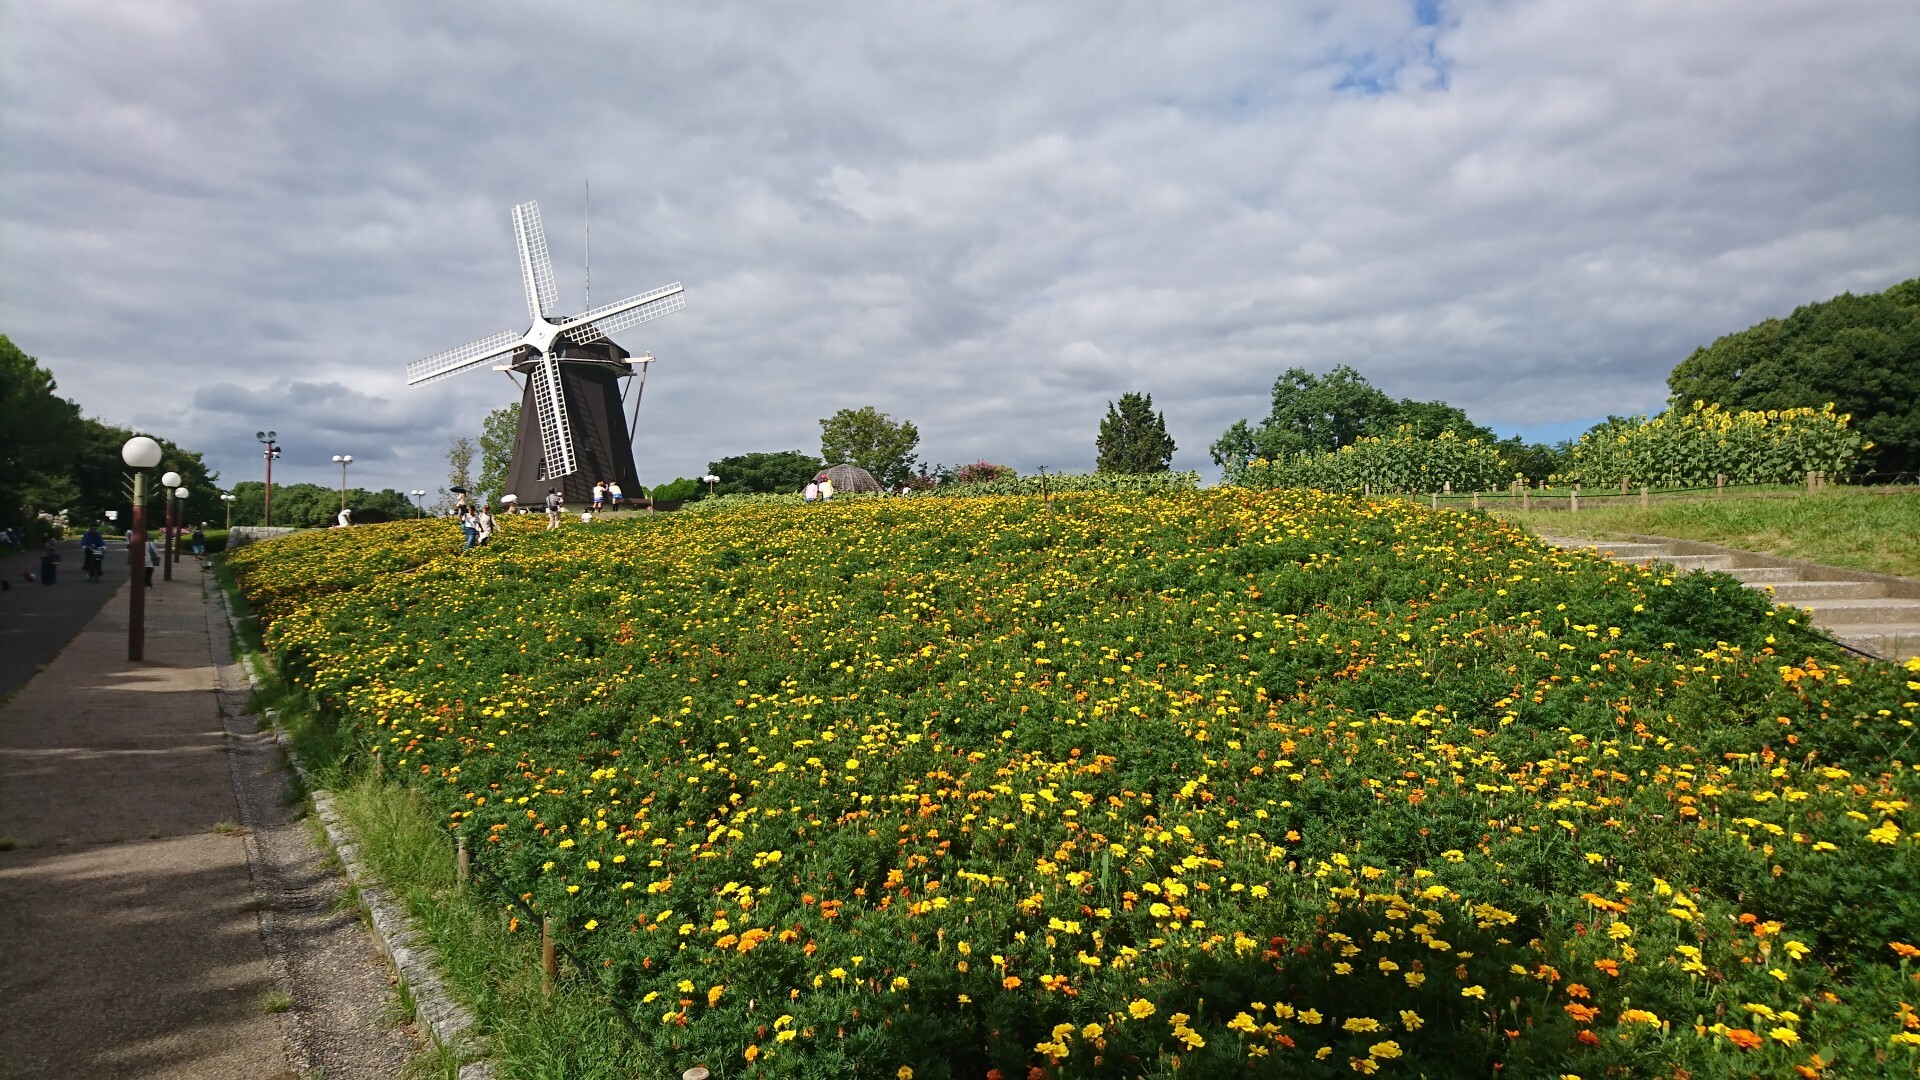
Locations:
(989, 220)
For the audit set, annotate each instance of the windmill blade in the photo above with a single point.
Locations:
(441, 365)
(556, 429)
(634, 310)
(536, 266)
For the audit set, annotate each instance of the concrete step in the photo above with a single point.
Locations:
(1626, 552)
(1889, 641)
(1698, 562)
(1873, 610)
(1768, 575)
(1800, 592)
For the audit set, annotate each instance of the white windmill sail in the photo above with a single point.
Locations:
(556, 429)
(441, 365)
(603, 322)
(536, 266)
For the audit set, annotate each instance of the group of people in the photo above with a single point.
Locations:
(476, 522)
(93, 556)
(606, 490)
(819, 489)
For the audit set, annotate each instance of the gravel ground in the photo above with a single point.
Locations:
(345, 1015)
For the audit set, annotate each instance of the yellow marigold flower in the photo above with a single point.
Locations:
(1411, 1020)
(1140, 1008)
(1384, 1050)
(1361, 1023)
(1479, 992)
(1784, 1035)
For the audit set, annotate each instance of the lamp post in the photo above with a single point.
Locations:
(269, 450)
(228, 498)
(418, 494)
(710, 480)
(179, 500)
(343, 460)
(169, 481)
(140, 453)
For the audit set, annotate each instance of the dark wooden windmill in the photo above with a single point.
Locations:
(572, 429)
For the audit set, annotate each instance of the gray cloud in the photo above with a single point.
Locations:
(219, 216)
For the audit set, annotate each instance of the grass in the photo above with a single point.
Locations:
(1854, 529)
(571, 1033)
(276, 1001)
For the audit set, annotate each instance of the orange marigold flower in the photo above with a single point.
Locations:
(1609, 966)
(1011, 982)
(1903, 950)
(1582, 1013)
(1744, 1039)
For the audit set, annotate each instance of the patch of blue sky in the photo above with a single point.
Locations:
(1549, 431)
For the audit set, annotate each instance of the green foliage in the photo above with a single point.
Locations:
(872, 440)
(1236, 777)
(460, 454)
(1133, 438)
(778, 471)
(1315, 414)
(1404, 461)
(1862, 353)
(52, 458)
(982, 472)
(1691, 448)
(308, 505)
(498, 432)
(680, 489)
(1158, 483)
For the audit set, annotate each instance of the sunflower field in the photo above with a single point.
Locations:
(1402, 461)
(1691, 447)
(1213, 783)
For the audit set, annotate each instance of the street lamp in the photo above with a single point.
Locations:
(343, 460)
(180, 521)
(710, 480)
(140, 453)
(169, 481)
(417, 496)
(269, 450)
(228, 498)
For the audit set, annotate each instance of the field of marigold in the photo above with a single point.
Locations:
(1225, 782)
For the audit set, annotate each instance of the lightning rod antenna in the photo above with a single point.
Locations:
(586, 235)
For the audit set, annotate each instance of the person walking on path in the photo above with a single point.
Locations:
(811, 492)
(49, 564)
(554, 505)
(200, 541)
(826, 488)
(614, 493)
(483, 524)
(153, 561)
(599, 494)
(93, 554)
(470, 527)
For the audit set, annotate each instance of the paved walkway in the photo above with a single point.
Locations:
(136, 937)
(37, 620)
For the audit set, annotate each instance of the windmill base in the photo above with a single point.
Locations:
(602, 446)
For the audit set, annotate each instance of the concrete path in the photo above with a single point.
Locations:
(1878, 614)
(132, 928)
(37, 620)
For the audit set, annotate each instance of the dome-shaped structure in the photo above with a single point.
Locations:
(851, 478)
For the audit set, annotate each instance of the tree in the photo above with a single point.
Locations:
(459, 470)
(783, 470)
(870, 439)
(1133, 438)
(1319, 413)
(52, 458)
(982, 472)
(498, 433)
(1860, 352)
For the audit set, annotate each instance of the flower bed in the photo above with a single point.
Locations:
(1212, 782)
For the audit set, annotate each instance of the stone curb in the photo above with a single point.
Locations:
(450, 1024)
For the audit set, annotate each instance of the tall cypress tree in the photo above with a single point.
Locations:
(1133, 438)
